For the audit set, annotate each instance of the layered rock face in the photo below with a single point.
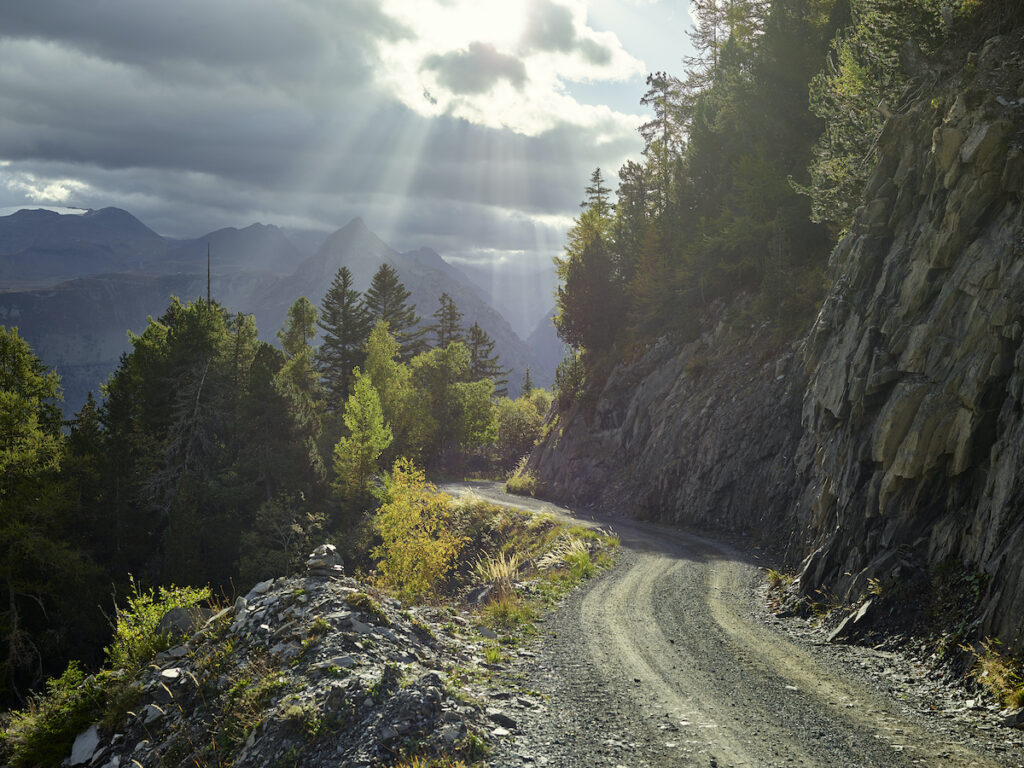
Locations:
(914, 428)
(896, 426)
(706, 435)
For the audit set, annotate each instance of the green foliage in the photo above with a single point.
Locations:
(363, 602)
(136, 640)
(524, 483)
(386, 300)
(282, 533)
(418, 548)
(498, 571)
(483, 363)
(42, 734)
(44, 575)
(448, 414)
(570, 379)
(346, 326)
(447, 319)
(300, 327)
(589, 302)
(519, 426)
(1000, 673)
(509, 613)
(356, 455)
(580, 565)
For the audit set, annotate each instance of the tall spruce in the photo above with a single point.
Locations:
(483, 363)
(346, 326)
(447, 328)
(387, 300)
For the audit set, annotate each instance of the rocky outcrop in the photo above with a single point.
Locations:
(914, 410)
(670, 432)
(310, 670)
(894, 430)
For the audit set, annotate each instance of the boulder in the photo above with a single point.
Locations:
(85, 746)
(181, 622)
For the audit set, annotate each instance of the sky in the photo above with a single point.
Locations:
(468, 126)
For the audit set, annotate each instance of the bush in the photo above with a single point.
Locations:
(522, 482)
(43, 733)
(419, 546)
(136, 640)
(570, 380)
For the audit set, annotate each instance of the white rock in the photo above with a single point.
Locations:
(85, 745)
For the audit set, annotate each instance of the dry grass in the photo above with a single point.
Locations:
(1000, 673)
(499, 571)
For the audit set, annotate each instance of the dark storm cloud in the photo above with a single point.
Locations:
(476, 70)
(196, 114)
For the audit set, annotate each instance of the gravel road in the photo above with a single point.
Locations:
(665, 660)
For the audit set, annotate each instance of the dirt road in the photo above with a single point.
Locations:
(663, 661)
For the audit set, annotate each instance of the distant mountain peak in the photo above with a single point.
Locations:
(355, 225)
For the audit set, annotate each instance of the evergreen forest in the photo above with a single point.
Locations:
(753, 165)
(214, 458)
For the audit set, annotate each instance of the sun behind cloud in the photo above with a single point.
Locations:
(504, 63)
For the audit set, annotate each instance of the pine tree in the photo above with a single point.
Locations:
(597, 195)
(446, 329)
(483, 363)
(386, 300)
(527, 387)
(300, 326)
(346, 327)
(42, 571)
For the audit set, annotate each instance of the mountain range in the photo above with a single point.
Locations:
(76, 284)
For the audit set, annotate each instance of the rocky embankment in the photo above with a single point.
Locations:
(888, 439)
(305, 670)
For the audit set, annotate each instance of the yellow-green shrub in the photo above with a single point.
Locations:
(418, 546)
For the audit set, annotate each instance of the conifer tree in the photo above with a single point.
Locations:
(386, 299)
(357, 454)
(527, 387)
(346, 327)
(483, 363)
(446, 329)
(597, 194)
(300, 326)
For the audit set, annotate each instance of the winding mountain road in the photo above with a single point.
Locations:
(663, 661)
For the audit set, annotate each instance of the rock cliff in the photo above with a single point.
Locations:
(894, 429)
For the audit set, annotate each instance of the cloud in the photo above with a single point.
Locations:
(553, 27)
(550, 27)
(505, 65)
(476, 70)
(195, 116)
(44, 191)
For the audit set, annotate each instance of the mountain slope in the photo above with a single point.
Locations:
(422, 272)
(256, 248)
(40, 247)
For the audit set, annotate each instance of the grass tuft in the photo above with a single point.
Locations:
(1000, 673)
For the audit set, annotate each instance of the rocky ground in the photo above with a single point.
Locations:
(306, 670)
(675, 657)
(912, 675)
